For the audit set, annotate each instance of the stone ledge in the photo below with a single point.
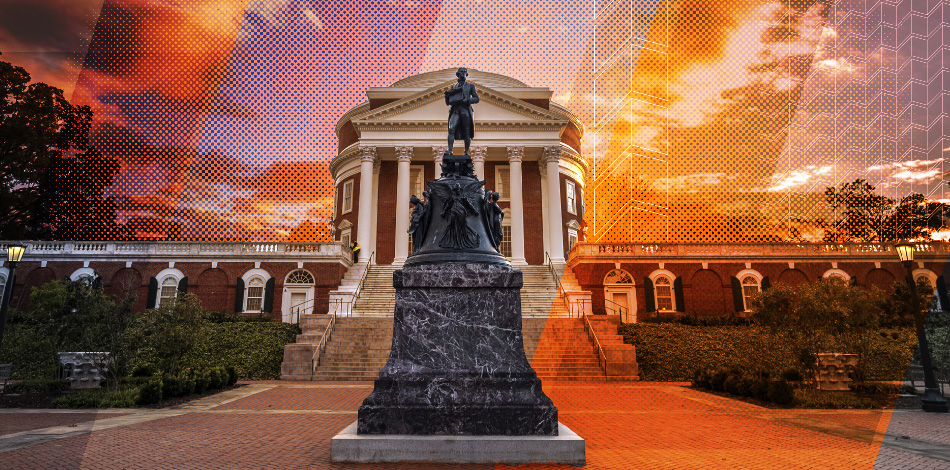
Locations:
(565, 448)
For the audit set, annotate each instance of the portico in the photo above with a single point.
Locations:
(525, 147)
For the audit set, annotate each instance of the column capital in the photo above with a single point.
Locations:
(377, 164)
(438, 152)
(404, 154)
(367, 154)
(551, 154)
(515, 154)
(478, 153)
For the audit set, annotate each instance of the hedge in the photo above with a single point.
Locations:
(27, 351)
(673, 352)
(254, 349)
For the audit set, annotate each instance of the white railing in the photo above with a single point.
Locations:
(50, 250)
(831, 250)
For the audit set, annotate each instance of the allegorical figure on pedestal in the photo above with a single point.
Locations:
(458, 235)
(419, 221)
(460, 99)
(492, 216)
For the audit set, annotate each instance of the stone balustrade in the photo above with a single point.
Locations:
(126, 250)
(864, 251)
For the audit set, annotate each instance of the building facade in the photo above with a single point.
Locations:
(526, 148)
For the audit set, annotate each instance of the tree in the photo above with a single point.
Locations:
(863, 216)
(51, 182)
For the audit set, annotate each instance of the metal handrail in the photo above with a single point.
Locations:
(322, 345)
(618, 307)
(557, 282)
(359, 287)
(578, 306)
(592, 335)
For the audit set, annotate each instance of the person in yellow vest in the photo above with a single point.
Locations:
(356, 251)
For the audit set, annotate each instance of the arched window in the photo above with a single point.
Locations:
(255, 295)
(751, 286)
(663, 287)
(836, 274)
(169, 291)
(299, 276)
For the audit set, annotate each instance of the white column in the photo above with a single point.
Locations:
(365, 221)
(515, 155)
(437, 153)
(544, 214)
(375, 221)
(403, 157)
(552, 155)
(478, 160)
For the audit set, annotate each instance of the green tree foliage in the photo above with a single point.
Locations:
(74, 316)
(815, 316)
(163, 337)
(863, 216)
(52, 183)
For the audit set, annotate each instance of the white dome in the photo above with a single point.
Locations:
(431, 79)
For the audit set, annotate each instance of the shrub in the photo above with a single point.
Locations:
(202, 380)
(254, 350)
(98, 398)
(809, 398)
(37, 386)
(25, 348)
(150, 392)
(217, 378)
(718, 380)
(232, 374)
(908, 390)
(792, 375)
(876, 388)
(781, 392)
(760, 388)
(144, 370)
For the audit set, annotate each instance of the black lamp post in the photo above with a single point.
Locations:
(932, 399)
(15, 252)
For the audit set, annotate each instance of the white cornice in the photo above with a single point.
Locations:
(349, 153)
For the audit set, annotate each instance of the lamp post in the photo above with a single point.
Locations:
(932, 399)
(15, 252)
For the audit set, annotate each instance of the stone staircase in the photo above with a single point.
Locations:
(358, 349)
(539, 296)
(379, 295)
(560, 349)
(298, 357)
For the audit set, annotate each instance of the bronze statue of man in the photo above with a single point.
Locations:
(460, 99)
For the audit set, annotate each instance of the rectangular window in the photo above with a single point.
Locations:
(571, 238)
(345, 237)
(569, 193)
(168, 292)
(502, 181)
(255, 298)
(505, 245)
(664, 293)
(416, 181)
(348, 196)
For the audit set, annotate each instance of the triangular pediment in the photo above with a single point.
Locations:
(428, 106)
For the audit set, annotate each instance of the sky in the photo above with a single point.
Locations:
(719, 121)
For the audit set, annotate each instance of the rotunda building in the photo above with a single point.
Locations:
(526, 148)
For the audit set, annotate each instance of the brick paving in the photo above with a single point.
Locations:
(20, 422)
(626, 426)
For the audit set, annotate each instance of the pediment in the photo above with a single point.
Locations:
(428, 107)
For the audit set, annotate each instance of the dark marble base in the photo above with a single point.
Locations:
(457, 364)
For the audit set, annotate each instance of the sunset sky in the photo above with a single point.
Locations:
(222, 112)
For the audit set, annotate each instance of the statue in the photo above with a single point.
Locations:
(492, 215)
(458, 235)
(419, 221)
(460, 98)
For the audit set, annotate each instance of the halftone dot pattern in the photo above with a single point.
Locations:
(223, 113)
(704, 122)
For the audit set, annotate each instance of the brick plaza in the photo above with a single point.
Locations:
(626, 425)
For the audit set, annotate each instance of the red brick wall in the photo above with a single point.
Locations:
(533, 213)
(708, 291)
(386, 214)
(347, 136)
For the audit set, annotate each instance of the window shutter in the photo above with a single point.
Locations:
(651, 295)
(737, 295)
(766, 283)
(97, 283)
(942, 294)
(269, 296)
(239, 296)
(183, 285)
(152, 292)
(678, 294)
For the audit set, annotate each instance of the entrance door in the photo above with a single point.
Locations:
(297, 301)
(623, 299)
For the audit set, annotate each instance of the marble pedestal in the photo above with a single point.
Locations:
(565, 448)
(457, 364)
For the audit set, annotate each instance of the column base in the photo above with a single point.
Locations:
(399, 261)
(517, 261)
